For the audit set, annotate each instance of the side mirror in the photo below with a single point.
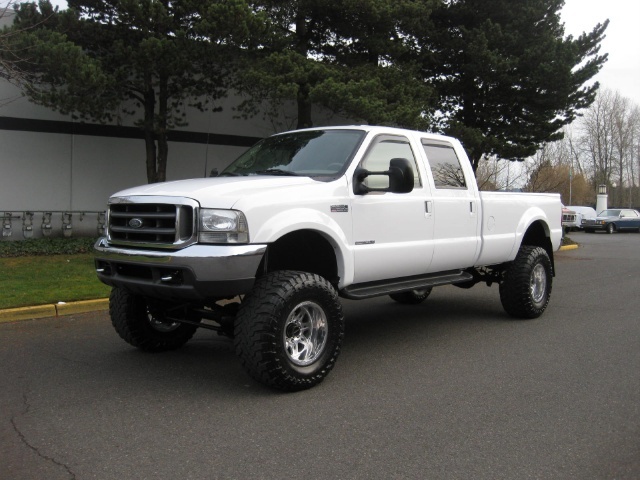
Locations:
(400, 176)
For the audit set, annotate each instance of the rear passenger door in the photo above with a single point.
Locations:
(454, 206)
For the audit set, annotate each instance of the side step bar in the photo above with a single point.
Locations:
(360, 291)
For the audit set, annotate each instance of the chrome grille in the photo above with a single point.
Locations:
(134, 221)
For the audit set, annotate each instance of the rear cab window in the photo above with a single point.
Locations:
(445, 165)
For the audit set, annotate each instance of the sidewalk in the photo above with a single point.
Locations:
(61, 309)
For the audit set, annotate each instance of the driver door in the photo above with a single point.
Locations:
(392, 232)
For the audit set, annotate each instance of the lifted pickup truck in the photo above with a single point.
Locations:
(263, 251)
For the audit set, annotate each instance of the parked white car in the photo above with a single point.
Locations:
(582, 213)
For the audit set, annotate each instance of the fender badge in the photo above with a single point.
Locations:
(339, 208)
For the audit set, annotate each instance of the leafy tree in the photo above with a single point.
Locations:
(380, 80)
(609, 144)
(13, 55)
(101, 60)
(351, 56)
(506, 77)
(8, 56)
(285, 64)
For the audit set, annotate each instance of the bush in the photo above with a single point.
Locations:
(46, 246)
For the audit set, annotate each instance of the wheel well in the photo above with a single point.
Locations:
(538, 235)
(304, 250)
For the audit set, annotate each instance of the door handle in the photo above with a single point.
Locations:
(428, 206)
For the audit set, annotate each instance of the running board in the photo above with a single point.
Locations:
(360, 291)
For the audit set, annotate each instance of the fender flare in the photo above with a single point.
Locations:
(294, 220)
(532, 215)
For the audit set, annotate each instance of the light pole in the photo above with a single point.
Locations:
(613, 193)
(570, 179)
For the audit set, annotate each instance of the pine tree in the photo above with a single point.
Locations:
(507, 77)
(352, 57)
(145, 58)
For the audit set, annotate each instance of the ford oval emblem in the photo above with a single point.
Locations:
(135, 223)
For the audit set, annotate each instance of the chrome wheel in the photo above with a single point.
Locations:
(305, 333)
(289, 330)
(538, 284)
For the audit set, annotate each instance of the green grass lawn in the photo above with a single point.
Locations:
(39, 280)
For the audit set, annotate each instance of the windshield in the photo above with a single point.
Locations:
(609, 213)
(311, 153)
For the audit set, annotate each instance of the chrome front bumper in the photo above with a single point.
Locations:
(194, 273)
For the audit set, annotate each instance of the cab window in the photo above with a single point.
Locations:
(445, 165)
(383, 149)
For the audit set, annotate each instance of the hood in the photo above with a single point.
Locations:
(220, 192)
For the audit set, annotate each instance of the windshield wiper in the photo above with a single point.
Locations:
(277, 171)
(231, 174)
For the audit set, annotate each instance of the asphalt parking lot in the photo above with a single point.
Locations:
(451, 389)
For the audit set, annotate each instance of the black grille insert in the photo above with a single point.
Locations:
(150, 223)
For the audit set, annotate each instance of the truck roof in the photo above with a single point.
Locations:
(378, 129)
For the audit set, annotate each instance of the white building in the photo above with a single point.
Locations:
(56, 174)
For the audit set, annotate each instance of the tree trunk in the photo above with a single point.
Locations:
(304, 106)
(302, 97)
(162, 132)
(149, 133)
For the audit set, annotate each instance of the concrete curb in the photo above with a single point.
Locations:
(569, 247)
(53, 310)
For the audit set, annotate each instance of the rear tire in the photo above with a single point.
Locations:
(134, 320)
(289, 330)
(412, 297)
(526, 288)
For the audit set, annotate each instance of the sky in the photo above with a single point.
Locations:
(622, 42)
(622, 71)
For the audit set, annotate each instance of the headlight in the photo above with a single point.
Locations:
(222, 226)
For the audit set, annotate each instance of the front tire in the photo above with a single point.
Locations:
(526, 288)
(142, 326)
(289, 330)
(611, 228)
(412, 297)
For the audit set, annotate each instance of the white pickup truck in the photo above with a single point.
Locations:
(263, 251)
